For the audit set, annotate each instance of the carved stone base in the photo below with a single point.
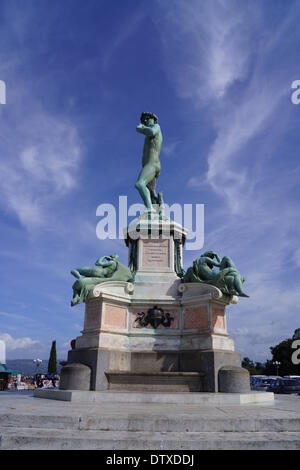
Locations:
(156, 324)
(207, 363)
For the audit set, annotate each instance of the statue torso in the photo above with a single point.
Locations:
(152, 148)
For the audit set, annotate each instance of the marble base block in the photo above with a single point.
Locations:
(156, 324)
(196, 340)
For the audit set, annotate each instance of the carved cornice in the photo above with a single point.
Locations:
(117, 290)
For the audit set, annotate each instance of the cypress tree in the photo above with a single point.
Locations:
(52, 364)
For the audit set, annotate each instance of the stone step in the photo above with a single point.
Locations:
(155, 382)
(31, 438)
(178, 398)
(136, 422)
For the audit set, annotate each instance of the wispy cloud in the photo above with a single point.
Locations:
(238, 73)
(219, 44)
(14, 316)
(231, 64)
(210, 46)
(120, 36)
(17, 343)
(169, 149)
(40, 148)
(40, 160)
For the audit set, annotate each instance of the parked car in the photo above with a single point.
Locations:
(291, 377)
(265, 384)
(255, 380)
(285, 386)
(261, 383)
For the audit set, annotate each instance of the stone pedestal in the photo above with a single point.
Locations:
(157, 324)
(234, 380)
(75, 377)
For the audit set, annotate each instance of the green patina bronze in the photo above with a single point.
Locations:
(227, 278)
(177, 258)
(107, 268)
(133, 255)
(146, 182)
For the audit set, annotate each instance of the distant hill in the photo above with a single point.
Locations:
(28, 367)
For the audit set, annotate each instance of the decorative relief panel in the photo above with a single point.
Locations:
(174, 314)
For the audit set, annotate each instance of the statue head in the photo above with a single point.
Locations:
(210, 254)
(106, 261)
(148, 118)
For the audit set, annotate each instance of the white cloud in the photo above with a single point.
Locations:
(39, 164)
(210, 49)
(17, 343)
(224, 47)
(170, 148)
(40, 149)
(229, 61)
(227, 173)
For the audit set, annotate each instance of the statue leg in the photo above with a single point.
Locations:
(238, 286)
(152, 188)
(230, 283)
(89, 271)
(76, 294)
(145, 177)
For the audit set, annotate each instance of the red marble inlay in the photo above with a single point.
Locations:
(115, 316)
(218, 318)
(196, 317)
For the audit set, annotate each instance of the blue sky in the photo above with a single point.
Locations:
(78, 74)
